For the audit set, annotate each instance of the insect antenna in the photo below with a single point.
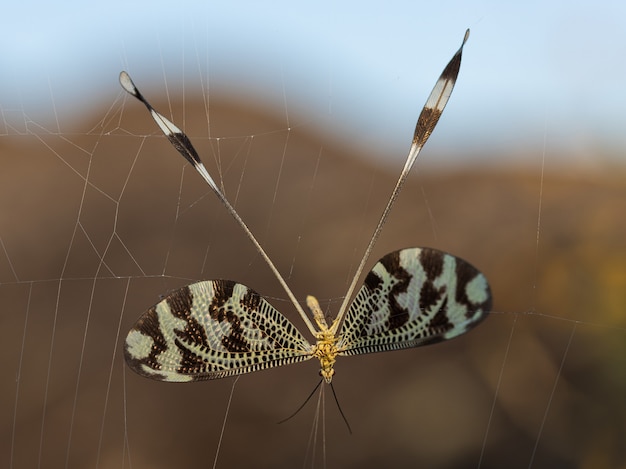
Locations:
(340, 409)
(343, 416)
(303, 404)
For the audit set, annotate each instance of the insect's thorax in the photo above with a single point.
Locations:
(325, 348)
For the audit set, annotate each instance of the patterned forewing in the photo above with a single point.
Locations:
(210, 330)
(412, 297)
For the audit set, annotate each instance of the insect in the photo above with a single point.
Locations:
(218, 328)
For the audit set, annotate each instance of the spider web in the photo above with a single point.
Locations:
(100, 217)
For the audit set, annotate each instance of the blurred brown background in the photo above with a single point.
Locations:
(98, 222)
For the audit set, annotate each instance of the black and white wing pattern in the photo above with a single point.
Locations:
(413, 297)
(210, 330)
(220, 328)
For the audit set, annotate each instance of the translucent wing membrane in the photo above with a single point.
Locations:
(210, 330)
(412, 297)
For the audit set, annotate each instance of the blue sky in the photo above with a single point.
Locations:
(533, 72)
